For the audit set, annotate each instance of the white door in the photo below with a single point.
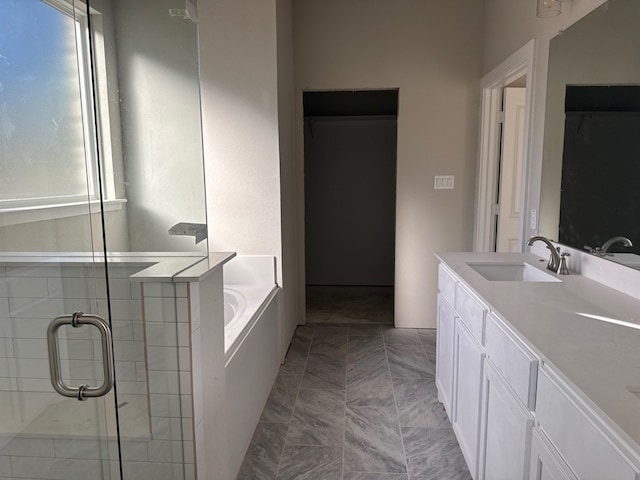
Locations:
(507, 239)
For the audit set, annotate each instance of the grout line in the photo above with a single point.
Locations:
(295, 404)
(395, 401)
(344, 415)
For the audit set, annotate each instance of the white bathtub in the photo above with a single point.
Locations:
(243, 307)
(252, 346)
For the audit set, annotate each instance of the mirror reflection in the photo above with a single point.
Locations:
(589, 196)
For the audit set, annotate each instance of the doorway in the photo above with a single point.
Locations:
(508, 196)
(350, 196)
(502, 194)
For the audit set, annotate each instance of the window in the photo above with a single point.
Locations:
(47, 133)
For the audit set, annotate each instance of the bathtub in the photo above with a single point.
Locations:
(244, 305)
(252, 347)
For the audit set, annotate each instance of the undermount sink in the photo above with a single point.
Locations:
(512, 272)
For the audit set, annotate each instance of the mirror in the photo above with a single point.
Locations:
(591, 129)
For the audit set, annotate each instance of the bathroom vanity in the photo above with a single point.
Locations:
(538, 372)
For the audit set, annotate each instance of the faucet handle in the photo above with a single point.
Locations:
(592, 250)
(562, 267)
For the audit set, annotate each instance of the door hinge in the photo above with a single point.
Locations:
(500, 117)
(495, 209)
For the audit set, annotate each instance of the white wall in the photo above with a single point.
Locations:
(291, 270)
(432, 52)
(161, 128)
(508, 25)
(245, 62)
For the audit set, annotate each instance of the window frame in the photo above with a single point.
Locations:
(23, 210)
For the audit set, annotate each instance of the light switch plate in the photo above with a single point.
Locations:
(443, 182)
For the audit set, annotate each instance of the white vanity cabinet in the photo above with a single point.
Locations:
(506, 430)
(546, 463)
(469, 357)
(514, 414)
(460, 357)
(444, 352)
(579, 436)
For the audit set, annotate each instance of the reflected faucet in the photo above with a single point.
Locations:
(603, 250)
(554, 259)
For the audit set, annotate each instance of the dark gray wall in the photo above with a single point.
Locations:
(350, 181)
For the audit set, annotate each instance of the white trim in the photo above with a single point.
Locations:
(520, 63)
(19, 215)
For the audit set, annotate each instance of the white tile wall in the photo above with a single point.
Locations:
(56, 468)
(29, 298)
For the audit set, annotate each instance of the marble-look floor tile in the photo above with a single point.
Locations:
(418, 405)
(310, 463)
(375, 476)
(296, 359)
(434, 453)
(408, 361)
(330, 340)
(364, 344)
(356, 330)
(401, 336)
(428, 339)
(318, 418)
(374, 391)
(366, 352)
(367, 364)
(303, 333)
(325, 372)
(282, 399)
(427, 335)
(372, 441)
(330, 333)
(263, 456)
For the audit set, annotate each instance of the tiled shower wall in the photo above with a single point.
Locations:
(30, 297)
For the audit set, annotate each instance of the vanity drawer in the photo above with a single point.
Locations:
(471, 311)
(513, 359)
(577, 436)
(447, 284)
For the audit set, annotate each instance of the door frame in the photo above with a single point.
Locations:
(521, 63)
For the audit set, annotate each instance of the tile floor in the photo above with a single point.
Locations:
(349, 304)
(355, 402)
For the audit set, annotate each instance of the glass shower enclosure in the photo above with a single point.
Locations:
(101, 183)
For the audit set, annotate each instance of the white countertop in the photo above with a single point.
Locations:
(590, 333)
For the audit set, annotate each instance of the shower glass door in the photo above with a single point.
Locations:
(54, 306)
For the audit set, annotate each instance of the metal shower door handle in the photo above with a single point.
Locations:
(76, 320)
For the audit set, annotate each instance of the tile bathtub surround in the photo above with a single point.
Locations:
(355, 402)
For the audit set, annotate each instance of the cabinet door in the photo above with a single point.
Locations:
(546, 463)
(444, 353)
(467, 394)
(506, 431)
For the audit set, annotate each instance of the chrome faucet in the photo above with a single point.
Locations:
(554, 259)
(605, 247)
